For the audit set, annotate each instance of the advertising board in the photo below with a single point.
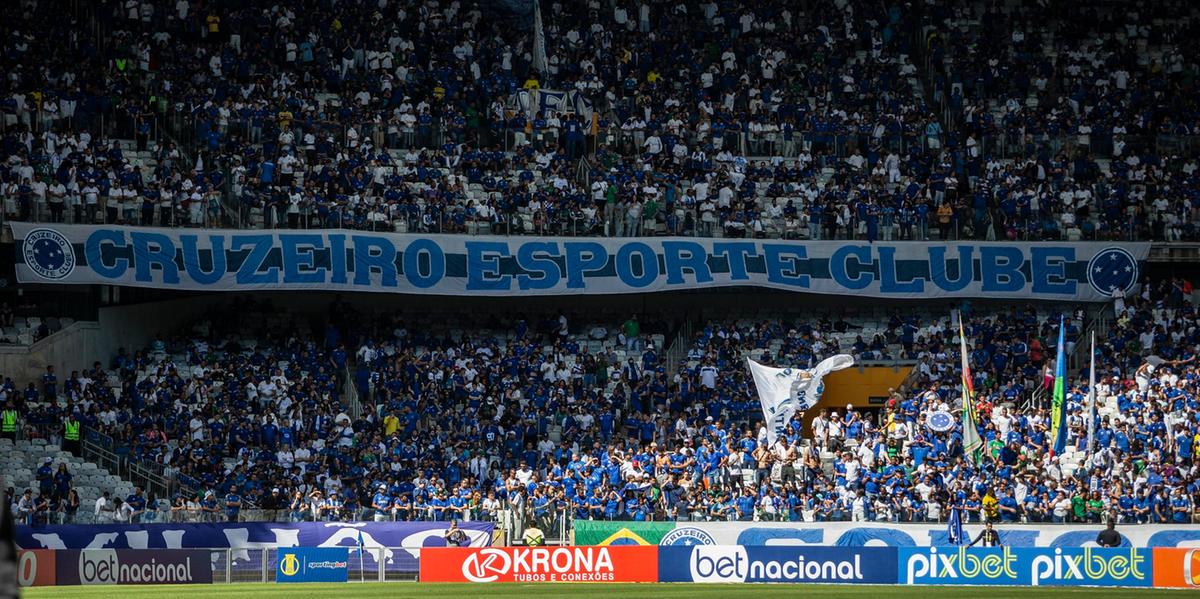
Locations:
(312, 564)
(540, 564)
(1062, 566)
(736, 563)
(35, 568)
(1177, 567)
(132, 566)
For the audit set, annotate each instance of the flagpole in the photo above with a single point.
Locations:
(1092, 397)
(362, 577)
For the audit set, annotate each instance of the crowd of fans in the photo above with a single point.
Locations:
(1052, 87)
(720, 119)
(1041, 121)
(568, 417)
(55, 502)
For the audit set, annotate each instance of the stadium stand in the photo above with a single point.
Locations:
(841, 120)
(708, 120)
(577, 415)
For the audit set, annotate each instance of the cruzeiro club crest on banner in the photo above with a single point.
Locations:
(48, 254)
(1112, 268)
(688, 536)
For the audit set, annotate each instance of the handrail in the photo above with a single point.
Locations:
(350, 392)
(679, 346)
(148, 475)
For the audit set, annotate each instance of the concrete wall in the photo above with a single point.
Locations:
(64, 350)
(78, 346)
(135, 326)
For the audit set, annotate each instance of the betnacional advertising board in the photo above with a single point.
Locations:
(69, 567)
(737, 563)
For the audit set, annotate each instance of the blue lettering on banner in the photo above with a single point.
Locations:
(483, 266)
(739, 563)
(783, 264)
(254, 270)
(583, 259)
(1049, 271)
(1027, 566)
(312, 564)
(219, 260)
(687, 536)
(640, 273)
(215, 269)
(538, 258)
(299, 258)
(939, 268)
(686, 255)
(735, 255)
(889, 281)
(377, 255)
(154, 250)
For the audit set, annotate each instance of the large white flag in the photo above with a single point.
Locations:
(540, 63)
(783, 391)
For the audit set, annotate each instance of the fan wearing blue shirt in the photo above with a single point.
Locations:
(745, 506)
(233, 504)
(382, 504)
(1181, 508)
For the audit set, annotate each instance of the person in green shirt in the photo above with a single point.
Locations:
(1079, 507)
(632, 331)
(649, 216)
(994, 447)
(1095, 508)
(610, 208)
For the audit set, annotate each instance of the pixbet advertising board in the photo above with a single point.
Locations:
(540, 564)
(736, 563)
(1063, 566)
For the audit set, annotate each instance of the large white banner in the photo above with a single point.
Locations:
(874, 534)
(230, 260)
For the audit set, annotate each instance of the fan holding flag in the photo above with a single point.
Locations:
(972, 442)
(784, 391)
(954, 527)
(1058, 405)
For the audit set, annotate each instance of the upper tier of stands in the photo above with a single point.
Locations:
(825, 121)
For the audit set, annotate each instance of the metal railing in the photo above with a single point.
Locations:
(370, 563)
(102, 450)
(677, 352)
(350, 393)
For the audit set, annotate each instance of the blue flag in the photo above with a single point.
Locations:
(954, 528)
